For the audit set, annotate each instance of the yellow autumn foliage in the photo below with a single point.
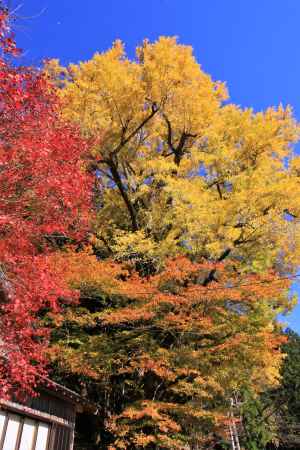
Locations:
(179, 170)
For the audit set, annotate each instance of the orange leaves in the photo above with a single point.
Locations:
(146, 411)
(176, 298)
(128, 315)
(84, 270)
(168, 348)
(157, 364)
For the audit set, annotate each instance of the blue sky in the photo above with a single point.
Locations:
(253, 45)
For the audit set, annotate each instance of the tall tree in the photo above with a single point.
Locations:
(196, 199)
(44, 194)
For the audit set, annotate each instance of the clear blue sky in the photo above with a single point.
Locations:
(253, 45)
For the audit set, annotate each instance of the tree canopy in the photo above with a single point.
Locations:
(180, 171)
(192, 246)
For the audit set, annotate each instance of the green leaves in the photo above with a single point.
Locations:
(256, 425)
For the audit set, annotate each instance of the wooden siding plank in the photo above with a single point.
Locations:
(52, 437)
(20, 431)
(35, 435)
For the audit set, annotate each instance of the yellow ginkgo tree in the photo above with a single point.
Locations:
(179, 171)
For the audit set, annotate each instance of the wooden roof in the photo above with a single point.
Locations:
(62, 392)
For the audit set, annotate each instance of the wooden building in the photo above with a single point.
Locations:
(45, 422)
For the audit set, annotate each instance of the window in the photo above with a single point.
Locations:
(22, 433)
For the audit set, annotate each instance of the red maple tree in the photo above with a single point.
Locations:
(44, 196)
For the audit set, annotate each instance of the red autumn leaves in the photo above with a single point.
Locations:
(44, 191)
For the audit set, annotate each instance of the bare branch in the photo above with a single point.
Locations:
(124, 141)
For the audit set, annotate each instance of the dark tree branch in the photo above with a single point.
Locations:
(211, 276)
(124, 141)
(169, 137)
(117, 179)
(112, 163)
(219, 191)
(177, 151)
